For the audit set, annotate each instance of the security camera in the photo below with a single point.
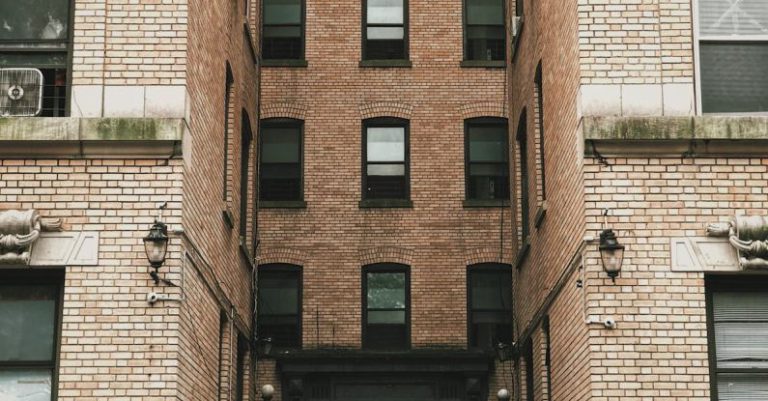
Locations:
(610, 323)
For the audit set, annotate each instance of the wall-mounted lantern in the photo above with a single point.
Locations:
(611, 253)
(156, 244)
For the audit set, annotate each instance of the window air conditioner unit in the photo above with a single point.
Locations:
(21, 92)
(516, 24)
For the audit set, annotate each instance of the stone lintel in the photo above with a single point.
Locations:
(74, 137)
(692, 136)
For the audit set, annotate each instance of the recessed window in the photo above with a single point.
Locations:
(539, 93)
(279, 304)
(738, 329)
(385, 36)
(487, 159)
(733, 54)
(283, 24)
(490, 306)
(385, 143)
(29, 326)
(281, 160)
(240, 367)
(522, 155)
(229, 91)
(34, 42)
(484, 32)
(386, 309)
(529, 370)
(245, 167)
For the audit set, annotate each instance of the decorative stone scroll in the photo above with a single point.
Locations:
(19, 230)
(749, 236)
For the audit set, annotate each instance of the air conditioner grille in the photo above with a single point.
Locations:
(21, 92)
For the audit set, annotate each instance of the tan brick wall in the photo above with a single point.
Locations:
(113, 344)
(333, 238)
(123, 42)
(660, 347)
(636, 42)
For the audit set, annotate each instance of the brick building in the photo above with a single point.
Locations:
(653, 112)
(384, 187)
(111, 109)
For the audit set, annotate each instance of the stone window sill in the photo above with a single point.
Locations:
(385, 203)
(386, 64)
(485, 203)
(284, 63)
(540, 213)
(483, 64)
(282, 204)
(522, 253)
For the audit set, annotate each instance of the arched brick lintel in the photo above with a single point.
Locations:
(284, 110)
(385, 255)
(483, 109)
(386, 109)
(283, 255)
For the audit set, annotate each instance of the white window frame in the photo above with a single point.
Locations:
(697, 38)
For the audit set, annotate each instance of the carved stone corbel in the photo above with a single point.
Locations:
(18, 232)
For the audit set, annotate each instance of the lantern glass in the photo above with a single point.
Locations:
(156, 244)
(612, 259)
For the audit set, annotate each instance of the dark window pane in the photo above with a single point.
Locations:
(485, 12)
(487, 186)
(279, 309)
(485, 43)
(733, 77)
(385, 49)
(282, 48)
(386, 336)
(282, 12)
(281, 169)
(34, 60)
(27, 322)
(491, 290)
(386, 290)
(385, 11)
(34, 19)
(278, 296)
(280, 145)
(488, 144)
(490, 315)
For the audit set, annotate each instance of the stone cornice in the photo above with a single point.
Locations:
(70, 137)
(665, 136)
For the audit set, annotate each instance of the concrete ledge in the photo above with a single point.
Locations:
(701, 135)
(72, 137)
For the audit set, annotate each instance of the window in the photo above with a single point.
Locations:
(281, 160)
(245, 168)
(522, 147)
(733, 53)
(228, 93)
(385, 159)
(35, 34)
(279, 304)
(240, 365)
(529, 371)
(487, 169)
(738, 337)
(539, 93)
(30, 310)
(385, 36)
(484, 32)
(489, 309)
(283, 36)
(386, 309)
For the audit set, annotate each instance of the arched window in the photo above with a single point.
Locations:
(281, 160)
(386, 306)
(385, 159)
(279, 304)
(489, 305)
